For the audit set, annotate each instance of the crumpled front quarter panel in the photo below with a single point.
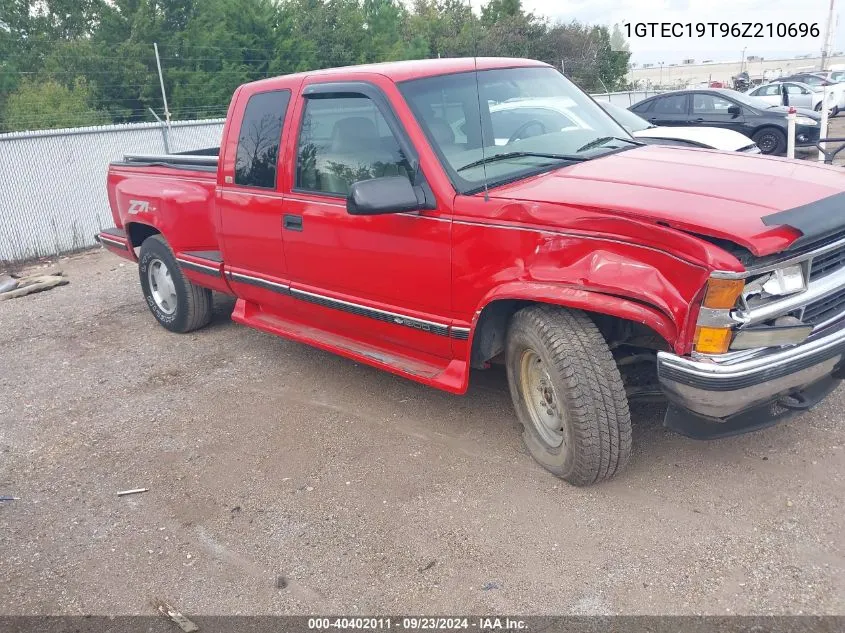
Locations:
(499, 252)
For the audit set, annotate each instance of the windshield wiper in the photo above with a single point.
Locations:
(507, 155)
(604, 139)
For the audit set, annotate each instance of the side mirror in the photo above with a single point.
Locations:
(734, 110)
(378, 196)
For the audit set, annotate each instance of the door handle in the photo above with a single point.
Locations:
(292, 222)
(699, 120)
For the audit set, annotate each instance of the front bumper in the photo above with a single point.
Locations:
(806, 136)
(745, 391)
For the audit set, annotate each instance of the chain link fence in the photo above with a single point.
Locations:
(53, 199)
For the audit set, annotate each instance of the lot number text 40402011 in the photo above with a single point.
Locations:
(720, 29)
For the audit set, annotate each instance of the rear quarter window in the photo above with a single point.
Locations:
(642, 106)
(259, 139)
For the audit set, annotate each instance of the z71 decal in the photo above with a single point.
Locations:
(138, 206)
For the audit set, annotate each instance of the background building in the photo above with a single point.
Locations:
(691, 74)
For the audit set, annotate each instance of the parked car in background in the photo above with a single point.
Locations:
(691, 136)
(814, 80)
(800, 95)
(764, 123)
(836, 76)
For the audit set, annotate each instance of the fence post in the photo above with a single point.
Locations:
(790, 133)
(165, 135)
(823, 125)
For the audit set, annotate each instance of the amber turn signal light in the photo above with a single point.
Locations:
(722, 293)
(712, 340)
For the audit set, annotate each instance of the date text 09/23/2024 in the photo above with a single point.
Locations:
(418, 623)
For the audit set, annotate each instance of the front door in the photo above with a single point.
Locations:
(392, 271)
(711, 110)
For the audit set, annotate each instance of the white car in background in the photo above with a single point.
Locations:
(522, 118)
(801, 95)
(691, 136)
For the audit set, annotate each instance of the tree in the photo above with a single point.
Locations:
(496, 10)
(209, 47)
(618, 41)
(50, 105)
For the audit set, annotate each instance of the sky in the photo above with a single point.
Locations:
(655, 50)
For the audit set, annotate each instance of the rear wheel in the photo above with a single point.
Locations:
(175, 302)
(568, 394)
(770, 140)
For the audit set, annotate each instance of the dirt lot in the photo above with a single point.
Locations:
(368, 493)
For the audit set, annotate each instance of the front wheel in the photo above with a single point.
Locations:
(175, 302)
(770, 140)
(568, 394)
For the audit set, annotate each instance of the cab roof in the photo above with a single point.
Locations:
(411, 69)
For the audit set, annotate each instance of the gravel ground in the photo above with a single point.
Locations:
(365, 492)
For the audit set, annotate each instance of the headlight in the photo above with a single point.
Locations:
(805, 120)
(720, 321)
(781, 282)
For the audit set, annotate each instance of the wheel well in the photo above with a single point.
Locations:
(139, 232)
(491, 330)
(768, 127)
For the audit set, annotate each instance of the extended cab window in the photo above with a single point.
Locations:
(344, 140)
(259, 138)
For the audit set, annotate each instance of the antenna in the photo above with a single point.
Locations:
(161, 82)
(480, 118)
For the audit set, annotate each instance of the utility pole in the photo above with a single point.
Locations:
(742, 64)
(828, 35)
(161, 82)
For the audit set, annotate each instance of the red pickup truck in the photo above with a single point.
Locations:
(392, 214)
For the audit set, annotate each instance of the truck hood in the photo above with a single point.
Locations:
(746, 199)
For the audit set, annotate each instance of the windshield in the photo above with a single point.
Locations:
(626, 118)
(534, 115)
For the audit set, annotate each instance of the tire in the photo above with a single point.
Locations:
(563, 354)
(773, 139)
(835, 111)
(175, 302)
(818, 107)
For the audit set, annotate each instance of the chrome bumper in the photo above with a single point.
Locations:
(721, 387)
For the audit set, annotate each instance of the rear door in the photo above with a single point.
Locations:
(249, 200)
(712, 110)
(670, 110)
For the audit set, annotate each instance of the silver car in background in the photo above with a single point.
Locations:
(800, 95)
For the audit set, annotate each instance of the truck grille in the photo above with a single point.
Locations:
(827, 263)
(825, 308)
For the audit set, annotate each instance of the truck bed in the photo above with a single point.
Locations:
(198, 160)
(171, 194)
